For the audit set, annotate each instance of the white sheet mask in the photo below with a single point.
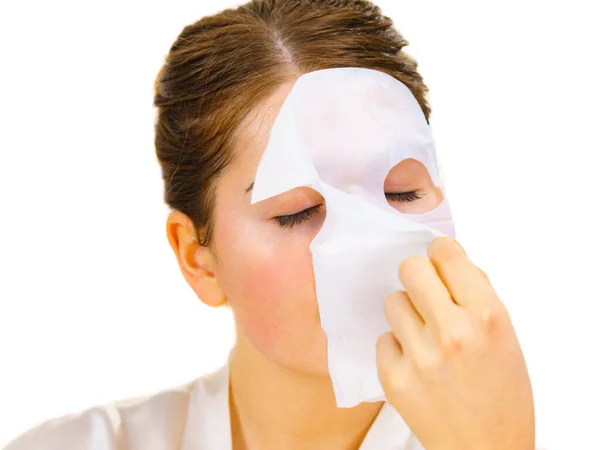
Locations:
(341, 131)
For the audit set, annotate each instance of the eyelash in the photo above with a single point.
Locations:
(292, 220)
(403, 197)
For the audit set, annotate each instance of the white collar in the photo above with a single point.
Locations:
(208, 423)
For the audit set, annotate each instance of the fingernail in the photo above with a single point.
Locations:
(460, 246)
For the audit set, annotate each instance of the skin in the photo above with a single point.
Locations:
(281, 394)
(452, 365)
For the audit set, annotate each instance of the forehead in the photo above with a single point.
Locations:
(255, 129)
(251, 139)
(365, 113)
(352, 124)
(346, 127)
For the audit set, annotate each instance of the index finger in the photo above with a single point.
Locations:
(465, 282)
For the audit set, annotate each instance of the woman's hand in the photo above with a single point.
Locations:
(452, 366)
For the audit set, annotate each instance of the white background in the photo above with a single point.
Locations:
(92, 305)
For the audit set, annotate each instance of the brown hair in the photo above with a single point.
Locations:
(224, 65)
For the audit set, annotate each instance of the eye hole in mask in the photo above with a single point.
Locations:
(409, 188)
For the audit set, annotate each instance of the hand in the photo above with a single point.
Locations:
(452, 366)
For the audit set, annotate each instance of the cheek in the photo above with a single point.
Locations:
(267, 275)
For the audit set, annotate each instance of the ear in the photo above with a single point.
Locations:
(197, 263)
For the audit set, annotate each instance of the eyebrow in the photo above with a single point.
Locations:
(250, 187)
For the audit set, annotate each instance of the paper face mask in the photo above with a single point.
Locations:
(341, 131)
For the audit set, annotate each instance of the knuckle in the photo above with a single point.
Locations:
(396, 382)
(456, 339)
(428, 362)
(488, 317)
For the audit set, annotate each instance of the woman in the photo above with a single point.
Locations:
(452, 369)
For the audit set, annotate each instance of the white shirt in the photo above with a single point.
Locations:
(192, 417)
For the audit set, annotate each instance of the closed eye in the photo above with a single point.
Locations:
(291, 220)
(403, 197)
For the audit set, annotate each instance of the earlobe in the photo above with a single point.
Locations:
(197, 263)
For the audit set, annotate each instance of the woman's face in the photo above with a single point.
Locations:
(264, 264)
